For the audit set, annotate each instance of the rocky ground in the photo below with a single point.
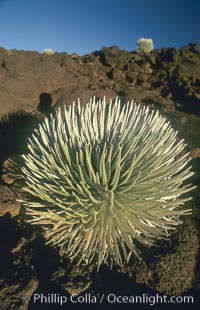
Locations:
(31, 86)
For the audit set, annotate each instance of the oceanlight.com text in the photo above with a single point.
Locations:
(111, 298)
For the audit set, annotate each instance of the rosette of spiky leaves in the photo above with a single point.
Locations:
(104, 176)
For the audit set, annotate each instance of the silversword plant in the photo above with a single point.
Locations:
(102, 177)
(144, 46)
(48, 51)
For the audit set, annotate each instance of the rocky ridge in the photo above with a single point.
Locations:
(167, 78)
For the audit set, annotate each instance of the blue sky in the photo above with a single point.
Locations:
(83, 26)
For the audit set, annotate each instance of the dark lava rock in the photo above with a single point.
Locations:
(24, 76)
(175, 272)
(33, 85)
